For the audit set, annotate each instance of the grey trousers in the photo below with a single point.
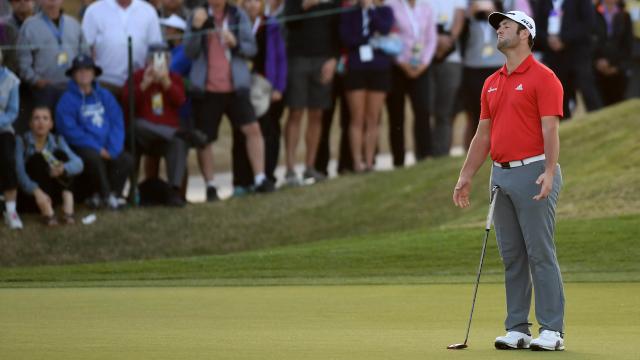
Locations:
(445, 81)
(525, 230)
(160, 140)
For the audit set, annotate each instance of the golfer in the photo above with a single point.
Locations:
(521, 105)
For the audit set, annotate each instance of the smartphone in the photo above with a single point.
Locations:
(159, 62)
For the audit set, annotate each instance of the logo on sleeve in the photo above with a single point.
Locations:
(492, 89)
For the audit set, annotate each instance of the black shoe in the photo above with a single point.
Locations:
(94, 202)
(266, 186)
(194, 138)
(175, 199)
(312, 176)
(212, 194)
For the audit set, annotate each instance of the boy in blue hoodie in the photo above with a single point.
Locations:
(90, 119)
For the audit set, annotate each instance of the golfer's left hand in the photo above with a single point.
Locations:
(546, 180)
(461, 192)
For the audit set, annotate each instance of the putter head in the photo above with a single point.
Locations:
(457, 346)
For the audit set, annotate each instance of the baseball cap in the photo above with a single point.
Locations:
(518, 16)
(174, 21)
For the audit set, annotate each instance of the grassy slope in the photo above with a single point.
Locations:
(413, 256)
(386, 221)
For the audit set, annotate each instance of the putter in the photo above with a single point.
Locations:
(487, 229)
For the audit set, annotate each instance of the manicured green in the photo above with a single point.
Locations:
(281, 323)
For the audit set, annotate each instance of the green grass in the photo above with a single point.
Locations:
(317, 322)
(230, 280)
(413, 256)
(395, 224)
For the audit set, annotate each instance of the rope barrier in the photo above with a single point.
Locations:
(280, 20)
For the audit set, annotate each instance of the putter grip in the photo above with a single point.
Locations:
(492, 207)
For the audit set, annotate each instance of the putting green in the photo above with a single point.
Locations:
(312, 322)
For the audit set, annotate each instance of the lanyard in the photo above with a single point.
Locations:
(488, 31)
(412, 18)
(225, 27)
(55, 30)
(608, 18)
(365, 22)
(557, 7)
(256, 25)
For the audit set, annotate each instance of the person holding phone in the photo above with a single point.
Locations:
(220, 41)
(159, 94)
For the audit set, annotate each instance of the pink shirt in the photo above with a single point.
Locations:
(218, 66)
(424, 33)
(522, 5)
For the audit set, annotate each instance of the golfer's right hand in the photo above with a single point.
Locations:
(461, 193)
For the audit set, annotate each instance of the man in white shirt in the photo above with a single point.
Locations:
(107, 24)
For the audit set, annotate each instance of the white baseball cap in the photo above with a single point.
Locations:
(518, 16)
(174, 21)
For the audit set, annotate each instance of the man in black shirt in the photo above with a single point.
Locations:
(312, 49)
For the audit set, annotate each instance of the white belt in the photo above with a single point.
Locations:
(516, 163)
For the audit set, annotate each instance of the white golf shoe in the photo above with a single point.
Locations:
(548, 340)
(513, 340)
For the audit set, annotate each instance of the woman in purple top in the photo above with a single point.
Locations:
(368, 76)
(416, 26)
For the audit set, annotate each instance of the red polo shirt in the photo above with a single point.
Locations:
(515, 104)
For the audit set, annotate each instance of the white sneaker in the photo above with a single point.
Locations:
(548, 340)
(12, 220)
(513, 340)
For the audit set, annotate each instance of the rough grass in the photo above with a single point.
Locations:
(600, 159)
(585, 247)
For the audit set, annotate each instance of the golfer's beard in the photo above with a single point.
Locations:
(503, 44)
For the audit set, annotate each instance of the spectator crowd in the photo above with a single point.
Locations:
(74, 124)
